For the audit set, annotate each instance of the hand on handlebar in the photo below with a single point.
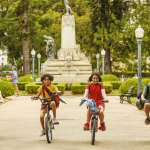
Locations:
(34, 97)
(105, 101)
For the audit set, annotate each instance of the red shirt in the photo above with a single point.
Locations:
(95, 93)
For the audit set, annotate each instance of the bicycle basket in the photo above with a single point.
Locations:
(94, 111)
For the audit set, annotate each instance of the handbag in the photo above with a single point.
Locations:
(94, 111)
(55, 97)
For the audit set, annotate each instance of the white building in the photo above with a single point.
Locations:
(3, 57)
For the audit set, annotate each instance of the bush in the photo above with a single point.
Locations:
(21, 85)
(145, 82)
(79, 87)
(116, 84)
(25, 79)
(5, 74)
(6, 88)
(5, 79)
(109, 77)
(33, 87)
(127, 84)
(108, 87)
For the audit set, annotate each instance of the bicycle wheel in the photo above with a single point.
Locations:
(48, 129)
(93, 131)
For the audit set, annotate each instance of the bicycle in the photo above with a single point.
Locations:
(49, 125)
(94, 124)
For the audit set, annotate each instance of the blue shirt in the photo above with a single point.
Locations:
(15, 75)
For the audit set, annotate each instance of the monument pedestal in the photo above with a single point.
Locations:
(72, 65)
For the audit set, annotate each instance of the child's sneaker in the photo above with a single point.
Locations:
(86, 126)
(103, 127)
(42, 133)
(55, 121)
(147, 121)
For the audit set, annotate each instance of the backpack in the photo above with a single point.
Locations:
(90, 87)
(139, 103)
(140, 93)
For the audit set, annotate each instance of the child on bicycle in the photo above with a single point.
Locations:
(47, 79)
(97, 95)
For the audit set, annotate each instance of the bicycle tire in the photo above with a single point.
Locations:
(48, 130)
(93, 131)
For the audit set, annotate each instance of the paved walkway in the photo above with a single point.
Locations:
(19, 127)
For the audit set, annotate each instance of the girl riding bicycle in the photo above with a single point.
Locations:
(47, 79)
(96, 92)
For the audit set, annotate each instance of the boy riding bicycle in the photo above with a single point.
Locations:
(42, 91)
(96, 92)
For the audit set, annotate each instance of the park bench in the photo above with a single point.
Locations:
(128, 95)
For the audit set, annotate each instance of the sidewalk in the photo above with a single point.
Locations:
(19, 126)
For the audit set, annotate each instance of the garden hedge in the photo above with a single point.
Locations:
(116, 84)
(79, 87)
(6, 88)
(130, 74)
(21, 85)
(32, 88)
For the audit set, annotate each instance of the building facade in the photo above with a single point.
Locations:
(3, 57)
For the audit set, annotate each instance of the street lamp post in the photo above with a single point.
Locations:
(2, 66)
(97, 57)
(39, 57)
(33, 55)
(139, 33)
(103, 55)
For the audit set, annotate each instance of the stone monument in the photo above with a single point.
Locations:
(71, 65)
(50, 48)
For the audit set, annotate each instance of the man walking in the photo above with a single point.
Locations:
(146, 98)
(15, 80)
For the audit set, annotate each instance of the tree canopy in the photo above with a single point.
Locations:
(99, 24)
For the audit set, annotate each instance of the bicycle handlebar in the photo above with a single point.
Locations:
(105, 101)
(49, 98)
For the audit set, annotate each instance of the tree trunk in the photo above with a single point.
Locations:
(107, 62)
(25, 38)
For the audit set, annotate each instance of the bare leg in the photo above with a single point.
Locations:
(101, 114)
(53, 106)
(88, 115)
(42, 114)
(146, 109)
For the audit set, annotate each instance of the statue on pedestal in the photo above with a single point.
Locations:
(50, 47)
(68, 8)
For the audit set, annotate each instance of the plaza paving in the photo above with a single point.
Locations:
(19, 127)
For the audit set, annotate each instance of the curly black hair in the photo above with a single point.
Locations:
(51, 78)
(97, 74)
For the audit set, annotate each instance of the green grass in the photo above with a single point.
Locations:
(22, 93)
(133, 99)
(114, 92)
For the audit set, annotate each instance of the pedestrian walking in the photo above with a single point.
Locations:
(135, 76)
(122, 78)
(14, 80)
